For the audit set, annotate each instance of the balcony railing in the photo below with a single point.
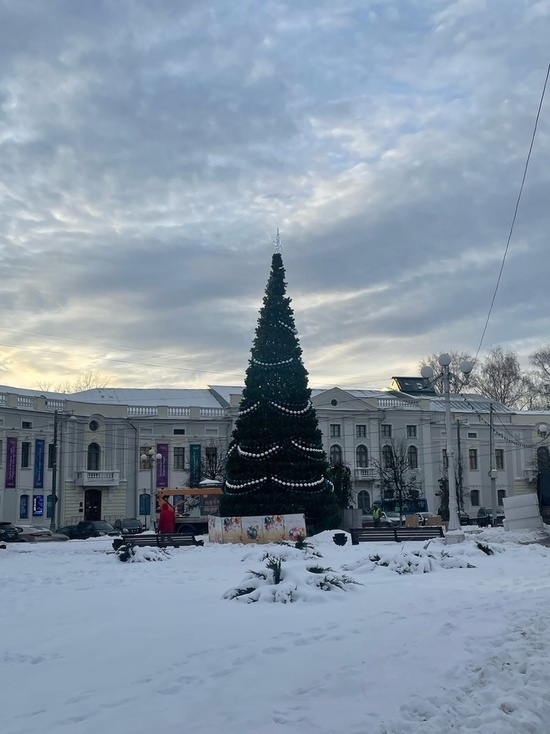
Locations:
(365, 474)
(97, 478)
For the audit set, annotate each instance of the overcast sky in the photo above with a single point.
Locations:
(149, 150)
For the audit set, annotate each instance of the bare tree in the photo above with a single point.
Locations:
(214, 455)
(456, 359)
(84, 381)
(540, 361)
(397, 478)
(500, 377)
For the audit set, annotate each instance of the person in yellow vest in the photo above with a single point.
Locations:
(376, 515)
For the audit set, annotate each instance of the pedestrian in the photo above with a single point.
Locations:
(376, 514)
(167, 518)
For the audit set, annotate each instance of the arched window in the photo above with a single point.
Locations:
(94, 457)
(335, 454)
(361, 456)
(412, 455)
(474, 497)
(387, 454)
(363, 500)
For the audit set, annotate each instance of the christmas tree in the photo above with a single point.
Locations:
(276, 463)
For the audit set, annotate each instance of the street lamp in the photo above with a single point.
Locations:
(454, 533)
(152, 458)
(56, 421)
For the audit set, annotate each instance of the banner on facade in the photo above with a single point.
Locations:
(11, 463)
(162, 466)
(194, 464)
(39, 447)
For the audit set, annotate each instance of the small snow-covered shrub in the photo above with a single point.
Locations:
(286, 582)
(402, 561)
(129, 553)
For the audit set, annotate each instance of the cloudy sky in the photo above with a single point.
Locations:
(150, 149)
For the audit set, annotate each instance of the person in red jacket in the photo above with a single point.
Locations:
(167, 518)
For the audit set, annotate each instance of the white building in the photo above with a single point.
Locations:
(103, 433)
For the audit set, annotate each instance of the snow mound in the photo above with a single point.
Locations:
(403, 561)
(135, 554)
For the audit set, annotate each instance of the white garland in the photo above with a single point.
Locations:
(287, 326)
(289, 411)
(249, 410)
(297, 485)
(242, 485)
(303, 447)
(261, 454)
(273, 364)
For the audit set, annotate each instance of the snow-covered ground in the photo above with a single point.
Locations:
(92, 645)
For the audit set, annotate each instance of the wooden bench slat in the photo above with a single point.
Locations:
(397, 534)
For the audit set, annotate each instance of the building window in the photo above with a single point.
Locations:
(444, 459)
(211, 458)
(386, 430)
(501, 494)
(51, 455)
(499, 458)
(361, 431)
(24, 507)
(179, 458)
(94, 457)
(1, 452)
(144, 463)
(179, 431)
(335, 430)
(26, 424)
(387, 455)
(25, 455)
(361, 456)
(412, 455)
(474, 497)
(335, 454)
(210, 431)
(93, 425)
(472, 459)
(472, 434)
(363, 500)
(411, 431)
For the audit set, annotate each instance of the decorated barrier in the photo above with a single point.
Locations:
(260, 529)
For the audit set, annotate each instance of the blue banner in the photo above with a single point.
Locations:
(194, 464)
(144, 504)
(39, 445)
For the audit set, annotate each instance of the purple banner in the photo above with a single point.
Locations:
(162, 466)
(11, 463)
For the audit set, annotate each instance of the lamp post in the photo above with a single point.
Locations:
(454, 533)
(56, 421)
(152, 457)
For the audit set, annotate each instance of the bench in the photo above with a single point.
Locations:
(397, 534)
(159, 540)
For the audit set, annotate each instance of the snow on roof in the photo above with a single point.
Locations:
(173, 397)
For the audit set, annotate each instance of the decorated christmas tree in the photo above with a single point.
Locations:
(276, 463)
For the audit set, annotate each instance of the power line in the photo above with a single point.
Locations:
(515, 215)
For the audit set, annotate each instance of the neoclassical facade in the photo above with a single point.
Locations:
(116, 447)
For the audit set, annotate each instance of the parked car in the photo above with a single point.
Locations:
(130, 525)
(8, 533)
(88, 529)
(463, 517)
(485, 517)
(399, 519)
(37, 533)
(385, 521)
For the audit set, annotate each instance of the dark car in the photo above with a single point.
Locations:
(129, 525)
(8, 533)
(88, 529)
(485, 517)
(463, 517)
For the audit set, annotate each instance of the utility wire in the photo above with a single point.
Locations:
(515, 214)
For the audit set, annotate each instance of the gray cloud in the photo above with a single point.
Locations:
(149, 150)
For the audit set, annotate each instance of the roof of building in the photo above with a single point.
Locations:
(412, 385)
(173, 397)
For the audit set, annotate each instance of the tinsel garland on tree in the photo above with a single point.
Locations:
(276, 463)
